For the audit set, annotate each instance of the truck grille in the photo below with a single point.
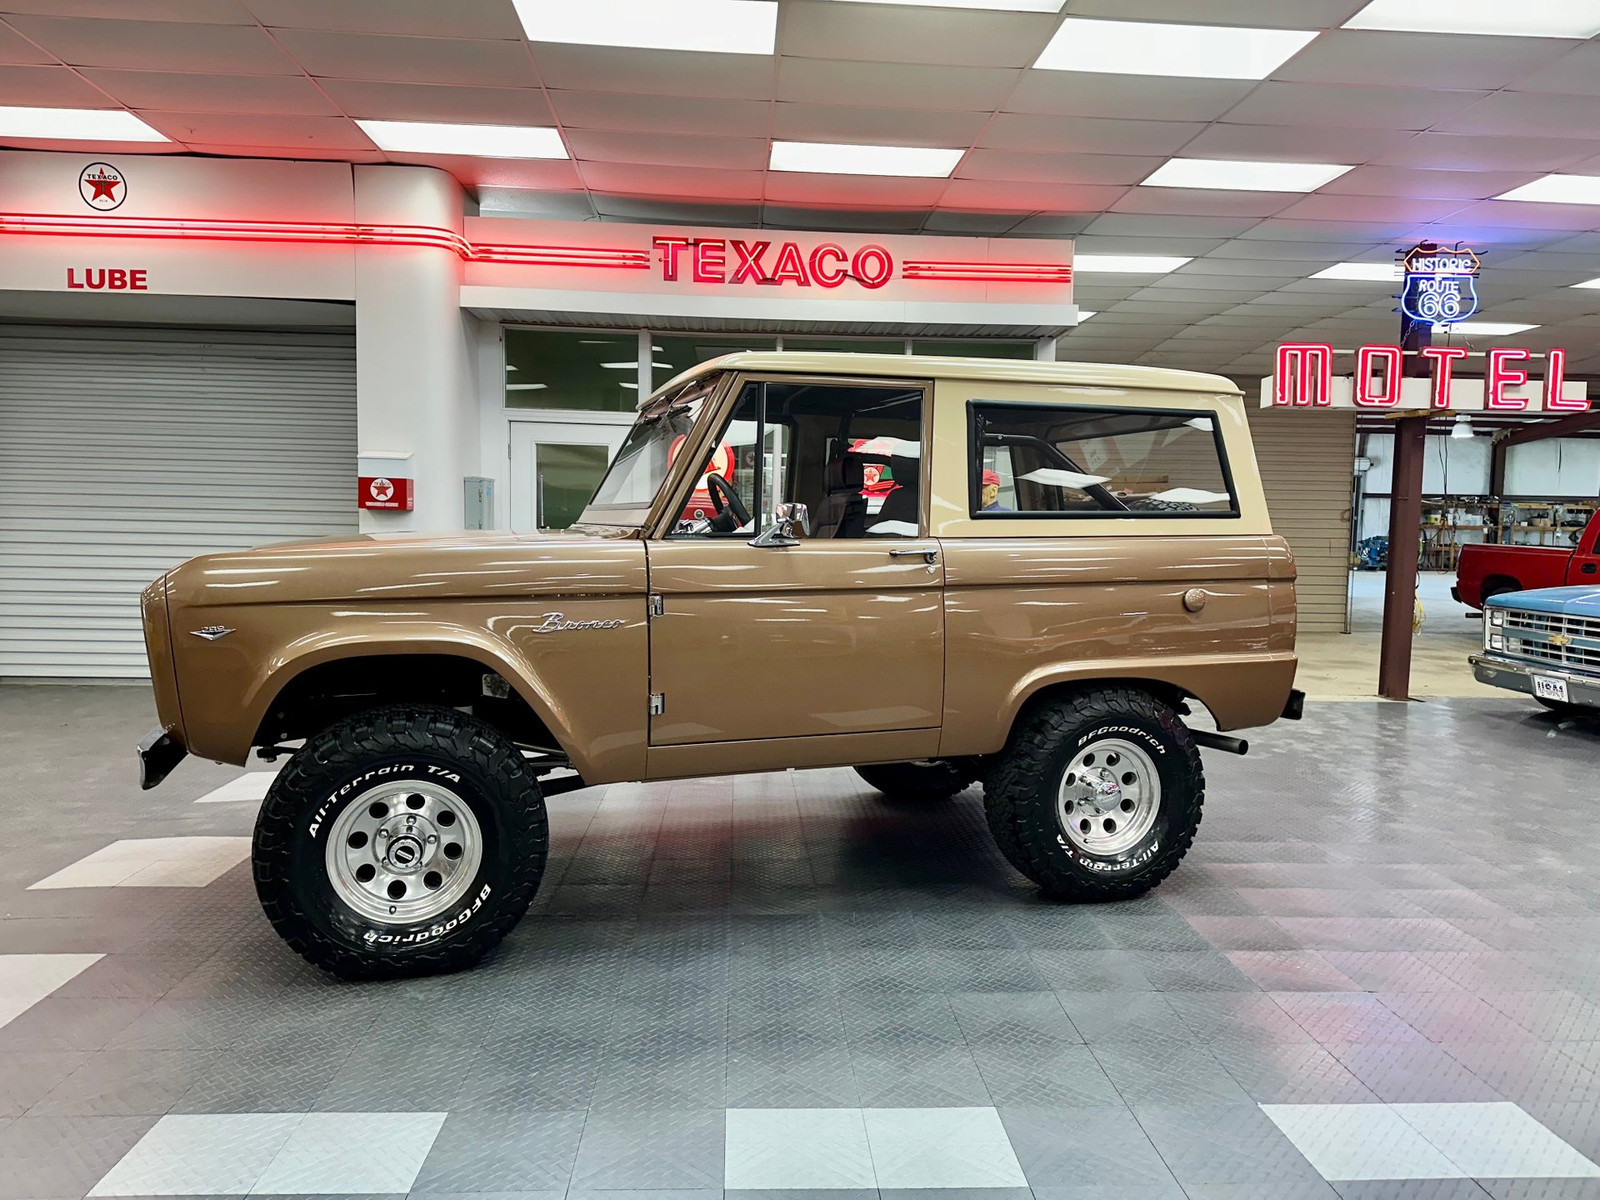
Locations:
(1553, 638)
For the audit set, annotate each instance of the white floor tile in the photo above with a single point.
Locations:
(1496, 1141)
(26, 979)
(352, 1153)
(941, 1148)
(200, 1155)
(249, 788)
(786, 1148)
(1351, 1142)
(152, 862)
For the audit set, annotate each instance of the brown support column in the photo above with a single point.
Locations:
(1405, 538)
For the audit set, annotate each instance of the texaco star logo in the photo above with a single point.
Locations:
(102, 186)
(382, 490)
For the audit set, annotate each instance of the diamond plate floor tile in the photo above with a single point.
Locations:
(1527, 1073)
(797, 1148)
(1291, 1074)
(1360, 1142)
(1224, 1144)
(1411, 1072)
(1496, 1141)
(642, 1150)
(328, 1153)
(502, 1152)
(25, 1079)
(1103, 1149)
(1292, 971)
(941, 1148)
(1160, 1075)
(1411, 1189)
(199, 1155)
(62, 1156)
(1067, 1077)
(187, 862)
(818, 1079)
(25, 979)
(126, 1083)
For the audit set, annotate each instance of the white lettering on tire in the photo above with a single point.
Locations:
(432, 933)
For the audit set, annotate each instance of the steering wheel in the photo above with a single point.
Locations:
(731, 512)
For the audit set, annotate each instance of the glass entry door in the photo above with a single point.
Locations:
(555, 468)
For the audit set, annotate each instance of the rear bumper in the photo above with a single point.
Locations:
(158, 754)
(1518, 677)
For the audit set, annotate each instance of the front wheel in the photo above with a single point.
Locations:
(925, 780)
(402, 841)
(1097, 797)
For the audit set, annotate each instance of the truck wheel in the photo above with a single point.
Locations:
(927, 779)
(1097, 797)
(402, 841)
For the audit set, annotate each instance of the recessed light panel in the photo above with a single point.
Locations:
(833, 158)
(1241, 176)
(1558, 189)
(475, 141)
(1044, 6)
(1370, 272)
(76, 125)
(1500, 18)
(1484, 328)
(719, 26)
(1125, 264)
(1588, 283)
(1149, 48)
(1084, 314)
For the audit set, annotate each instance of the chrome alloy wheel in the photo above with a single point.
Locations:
(404, 852)
(1109, 797)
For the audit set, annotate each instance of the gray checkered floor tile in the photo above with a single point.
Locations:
(1359, 985)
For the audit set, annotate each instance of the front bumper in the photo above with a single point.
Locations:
(158, 754)
(1518, 677)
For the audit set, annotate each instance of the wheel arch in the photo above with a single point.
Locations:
(1498, 583)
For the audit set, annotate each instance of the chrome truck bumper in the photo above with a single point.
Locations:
(1518, 677)
(158, 754)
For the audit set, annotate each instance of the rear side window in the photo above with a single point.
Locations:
(1035, 460)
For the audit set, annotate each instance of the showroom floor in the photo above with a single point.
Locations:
(1376, 976)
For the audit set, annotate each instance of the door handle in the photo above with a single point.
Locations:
(929, 556)
(1588, 568)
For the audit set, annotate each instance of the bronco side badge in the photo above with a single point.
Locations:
(212, 632)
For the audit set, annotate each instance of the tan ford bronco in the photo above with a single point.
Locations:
(937, 571)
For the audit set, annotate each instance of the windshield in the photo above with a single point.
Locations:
(641, 465)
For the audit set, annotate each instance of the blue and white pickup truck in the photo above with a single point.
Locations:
(1545, 643)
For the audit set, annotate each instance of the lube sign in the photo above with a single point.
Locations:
(1440, 285)
(1303, 378)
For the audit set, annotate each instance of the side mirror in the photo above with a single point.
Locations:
(786, 519)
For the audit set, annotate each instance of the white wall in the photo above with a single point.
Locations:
(1556, 467)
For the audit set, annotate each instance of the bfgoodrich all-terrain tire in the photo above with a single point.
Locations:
(1097, 796)
(402, 841)
(928, 780)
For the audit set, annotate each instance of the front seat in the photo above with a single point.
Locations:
(844, 508)
(901, 514)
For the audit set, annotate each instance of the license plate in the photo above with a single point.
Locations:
(1549, 689)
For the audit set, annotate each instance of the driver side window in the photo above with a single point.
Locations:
(851, 453)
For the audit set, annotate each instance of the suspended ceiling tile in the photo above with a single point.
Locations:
(1422, 60)
(1586, 166)
(516, 202)
(987, 195)
(662, 114)
(291, 95)
(1215, 297)
(1274, 14)
(875, 126)
(1265, 270)
(1471, 152)
(157, 45)
(469, 61)
(1517, 114)
(1385, 209)
(631, 208)
(1056, 168)
(1431, 185)
(1326, 250)
(218, 12)
(677, 182)
(1515, 214)
(1129, 97)
(1477, 232)
(293, 133)
(851, 191)
(667, 150)
(1281, 229)
(788, 216)
(901, 33)
(1285, 143)
(309, 150)
(375, 100)
(1577, 73)
(1050, 225)
(558, 175)
(1139, 225)
(14, 48)
(970, 224)
(1352, 106)
(1583, 262)
(654, 72)
(1042, 134)
(1185, 247)
(49, 87)
(894, 85)
(458, 18)
(1202, 202)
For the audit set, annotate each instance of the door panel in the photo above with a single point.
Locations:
(810, 640)
(555, 469)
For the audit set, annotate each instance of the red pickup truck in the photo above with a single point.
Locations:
(1487, 570)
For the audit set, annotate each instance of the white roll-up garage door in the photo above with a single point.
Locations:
(125, 452)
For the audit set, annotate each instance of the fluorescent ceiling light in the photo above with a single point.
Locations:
(76, 125)
(1125, 264)
(1485, 328)
(1047, 6)
(526, 387)
(1558, 189)
(1084, 314)
(833, 158)
(1148, 48)
(1588, 283)
(1371, 272)
(722, 26)
(1502, 18)
(633, 366)
(1237, 175)
(476, 141)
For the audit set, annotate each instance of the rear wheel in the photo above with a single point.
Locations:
(1097, 797)
(925, 780)
(402, 841)
(1500, 587)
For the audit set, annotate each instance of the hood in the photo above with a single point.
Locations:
(389, 568)
(1570, 601)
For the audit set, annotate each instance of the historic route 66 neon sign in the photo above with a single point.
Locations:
(1440, 285)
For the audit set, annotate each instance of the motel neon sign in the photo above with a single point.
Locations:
(1303, 377)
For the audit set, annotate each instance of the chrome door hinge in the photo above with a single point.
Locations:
(658, 606)
(658, 703)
